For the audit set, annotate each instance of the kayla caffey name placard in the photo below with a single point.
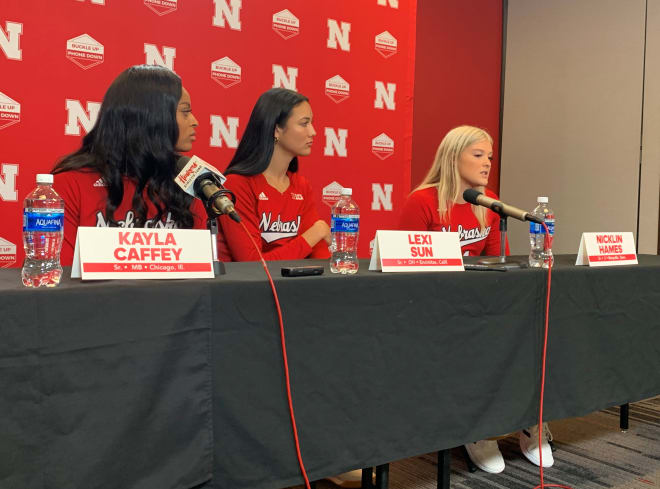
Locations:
(120, 253)
(416, 251)
(607, 249)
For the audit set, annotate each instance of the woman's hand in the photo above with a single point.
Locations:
(319, 231)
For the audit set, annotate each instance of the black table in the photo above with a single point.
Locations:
(169, 384)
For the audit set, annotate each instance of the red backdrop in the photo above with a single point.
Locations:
(457, 75)
(356, 65)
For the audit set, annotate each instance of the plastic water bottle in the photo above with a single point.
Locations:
(540, 254)
(345, 230)
(43, 220)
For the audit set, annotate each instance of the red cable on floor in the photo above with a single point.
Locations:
(285, 360)
(543, 357)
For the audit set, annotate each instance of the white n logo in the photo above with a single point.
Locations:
(231, 14)
(382, 196)
(154, 57)
(221, 131)
(8, 182)
(393, 3)
(77, 117)
(284, 80)
(10, 41)
(335, 142)
(335, 34)
(385, 96)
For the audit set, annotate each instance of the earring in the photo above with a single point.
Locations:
(277, 140)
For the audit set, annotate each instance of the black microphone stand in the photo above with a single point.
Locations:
(502, 259)
(212, 225)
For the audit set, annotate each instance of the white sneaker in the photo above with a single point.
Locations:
(529, 445)
(486, 455)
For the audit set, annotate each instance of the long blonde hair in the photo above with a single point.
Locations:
(444, 172)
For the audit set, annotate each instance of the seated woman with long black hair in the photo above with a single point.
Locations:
(274, 201)
(123, 175)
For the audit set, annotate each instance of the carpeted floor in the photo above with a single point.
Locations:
(592, 453)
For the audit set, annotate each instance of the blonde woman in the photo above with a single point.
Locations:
(463, 161)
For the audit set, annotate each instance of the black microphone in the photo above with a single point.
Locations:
(207, 186)
(477, 198)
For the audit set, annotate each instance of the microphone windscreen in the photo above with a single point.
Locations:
(470, 195)
(181, 162)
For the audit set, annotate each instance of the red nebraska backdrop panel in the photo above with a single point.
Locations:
(354, 61)
(457, 76)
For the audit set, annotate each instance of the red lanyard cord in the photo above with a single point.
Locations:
(541, 431)
(285, 360)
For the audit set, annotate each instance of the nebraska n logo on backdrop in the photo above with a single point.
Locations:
(224, 132)
(335, 142)
(8, 190)
(285, 80)
(382, 196)
(385, 95)
(10, 39)
(339, 36)
(78, 117)
(154, 56)
(227, 10)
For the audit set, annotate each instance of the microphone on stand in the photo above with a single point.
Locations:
(477, 198)
(504, 210)
(201, 180)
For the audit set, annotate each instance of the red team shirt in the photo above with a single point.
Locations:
(420, 213)
(85, 196)
(275, 220)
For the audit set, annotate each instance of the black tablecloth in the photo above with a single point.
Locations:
(168, 384)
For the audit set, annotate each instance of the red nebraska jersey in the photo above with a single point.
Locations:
(85, 195)
(275, 220)
(420, 213)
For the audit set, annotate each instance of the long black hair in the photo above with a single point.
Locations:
(273, 108)
(135, 136)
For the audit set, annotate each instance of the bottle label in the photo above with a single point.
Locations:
(43, 221)
(535, 228)
(348, 224)
(551, 225)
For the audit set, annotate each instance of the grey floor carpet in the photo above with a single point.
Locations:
(592, 454)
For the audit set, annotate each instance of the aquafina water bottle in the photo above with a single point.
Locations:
(43, 221)
(345, 230)
(540, 254)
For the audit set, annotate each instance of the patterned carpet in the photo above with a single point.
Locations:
(592, 453)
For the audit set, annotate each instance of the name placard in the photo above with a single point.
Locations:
(139, 253)
(416, 251)
(607, 249)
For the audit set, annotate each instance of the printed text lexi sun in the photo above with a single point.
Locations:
(422, 245)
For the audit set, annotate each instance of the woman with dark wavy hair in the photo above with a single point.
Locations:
(275, 202)
(123, 175)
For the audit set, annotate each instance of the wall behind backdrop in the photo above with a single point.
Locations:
(355, 63)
